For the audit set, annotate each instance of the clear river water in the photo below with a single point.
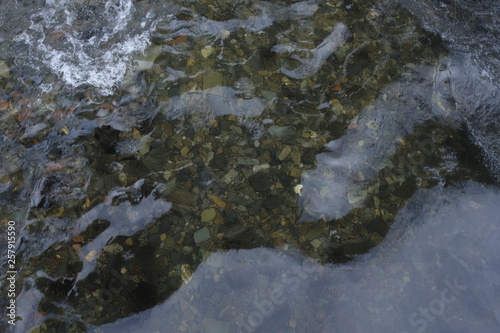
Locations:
(224, 166)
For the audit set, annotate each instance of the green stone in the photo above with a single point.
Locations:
(281, 131)
(284, 153)
(201, 235)
(4, 70)
(212, 79)
(147, 59)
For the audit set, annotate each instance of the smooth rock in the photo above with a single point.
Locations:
(284, 153)
(201, 235)
(147, 59)
(281, 131)
(212, 79)
(216, 200)
(260, 181)
(4, 69)
(208, 215)
(230, 176)
(269, 95)
(207, 51)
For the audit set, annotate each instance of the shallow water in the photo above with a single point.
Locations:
(250, 166)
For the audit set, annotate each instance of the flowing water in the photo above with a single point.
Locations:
(250, 166)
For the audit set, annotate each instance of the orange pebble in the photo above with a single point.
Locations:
(178, 40)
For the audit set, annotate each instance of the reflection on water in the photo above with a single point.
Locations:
(157, 156)
(425, 277)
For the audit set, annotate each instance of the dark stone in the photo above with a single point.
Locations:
(309, 156)
(144, 296)
(225, 125)
(255, 207)
(181, 200)
(154, 240)
(407, 188)
(135, 170)
(232, 217)
(189, 132)
(219, 162)
(179, 258)
(204, 179)
(106, 138)
(336, 255)
(273, 202)
(260, 181)
(242, 238)
(377, 225)
(56, 290)
(94, 229)
(356, 246)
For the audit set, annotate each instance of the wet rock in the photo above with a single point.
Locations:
(241, 238)
(163, 261)
(281, 131)
(316, 243)
(211, 80)
(216, 200)
(260, 167)
(4, 70)
(113, 248)
(269, 95)
(208, 215)
(273, 202)
(260, 181)
(207, 51)
(147, 59)
(181, 200)
(219, 162)
(230, 176)
(186, 273)
(284, 153)
(356, 246)
(201, 235)
(255, 207)
(243, 160)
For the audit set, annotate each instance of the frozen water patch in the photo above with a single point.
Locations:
(354, 160)
(437, 271)
(88, 42)
(469, 28)
(318, 55)
(125, 219)
(478, 101)
(203, 106)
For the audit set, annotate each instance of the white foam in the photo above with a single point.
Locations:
(88, 43)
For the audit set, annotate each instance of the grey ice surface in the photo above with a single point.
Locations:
(436, 271)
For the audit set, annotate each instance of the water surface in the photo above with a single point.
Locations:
(251, 166)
